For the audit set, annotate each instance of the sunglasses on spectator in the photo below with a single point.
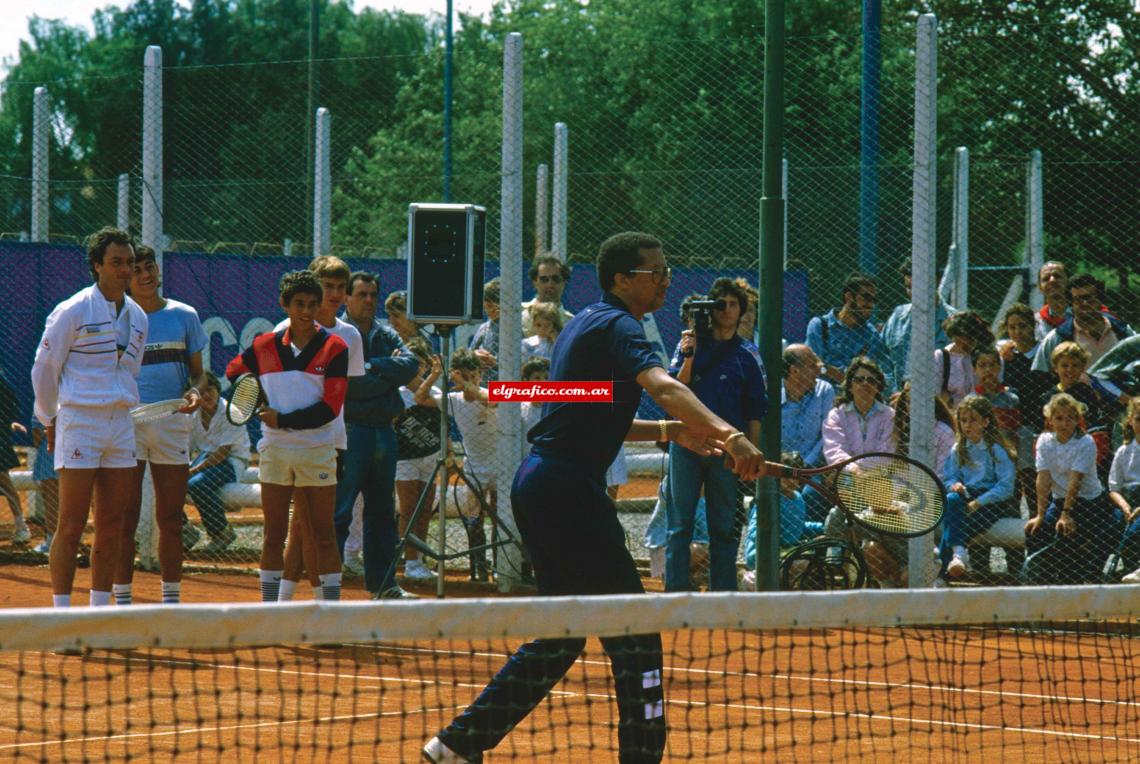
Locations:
(865, 379)
(657, 274)
(550, 279)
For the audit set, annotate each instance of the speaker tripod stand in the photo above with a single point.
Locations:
(477, 543)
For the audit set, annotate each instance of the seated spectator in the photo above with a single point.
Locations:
(1053, 282)
(1031, 388)
(485, 341)
(546, 320)
(534, 370)
(414, 474)
(840, 336)
(966, 330)
(861, 420)
(1069, 362)
(8, 460)
(979, 476)
(1072, 508)
(794, 525)
(1089, 323)
(987, 374)
(1124, 491)
(220, 455)
(806, 402)
(897, 330)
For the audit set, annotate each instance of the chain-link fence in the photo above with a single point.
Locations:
(662, 134)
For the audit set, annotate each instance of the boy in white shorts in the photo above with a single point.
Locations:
(478, 423)
(414, 475)
(333, 274)
(84, 382)
(303, 371)
(171, 368)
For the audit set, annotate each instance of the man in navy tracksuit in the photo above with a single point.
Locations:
(561, 507)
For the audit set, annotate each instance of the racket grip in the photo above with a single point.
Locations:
(777, 470)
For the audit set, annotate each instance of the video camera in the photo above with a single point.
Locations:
(700, 311)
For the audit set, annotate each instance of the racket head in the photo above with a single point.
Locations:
(891, 494)
(417, 432)
(151, 412)
(245, 399)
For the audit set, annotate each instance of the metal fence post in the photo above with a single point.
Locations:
(510, 319)
(123, 207)
(923, 242)
(1035, 227)
(41, 172)
(542, 211)
(152, 151)
(322, 185)
(961, 293)
(558, 218)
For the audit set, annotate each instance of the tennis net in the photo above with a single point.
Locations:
(1040, 674)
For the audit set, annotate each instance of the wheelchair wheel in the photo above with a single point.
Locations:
(821, 565)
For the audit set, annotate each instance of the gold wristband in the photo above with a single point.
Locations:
(736, 434)
(663, 430)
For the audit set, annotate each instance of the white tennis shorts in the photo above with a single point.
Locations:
(418, 470)
(87, 437)
(164, 441)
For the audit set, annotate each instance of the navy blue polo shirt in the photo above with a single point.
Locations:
(603, 342)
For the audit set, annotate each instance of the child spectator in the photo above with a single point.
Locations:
(414, 473)
(220, 452)
(9, 460)
(987, 373)
(1124, 490)
(534, 370)
(47, 485)
(1072, 509)
(966, 330)
(547, 322)
(1069, 361)
(478, 423)
(1031, 388)
(979, 474)
(944, 437)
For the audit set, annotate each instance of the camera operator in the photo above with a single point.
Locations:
(725, 375)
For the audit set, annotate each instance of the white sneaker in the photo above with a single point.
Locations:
(415, 570)
(438, 753)
(1131, 578)
(959, 566)
(22, 535)
(748, 581)
(44, 547)
(354, 566)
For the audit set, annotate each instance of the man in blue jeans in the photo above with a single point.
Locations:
(372, 402)
(724, 374)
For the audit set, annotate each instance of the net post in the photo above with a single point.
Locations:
(322, 184)
(41, 155)
(558, 217)
(510, 443)
(152, 152)
(1034, 227)
(770, 312)
(542, 210)
(923, 266)
(123, 210)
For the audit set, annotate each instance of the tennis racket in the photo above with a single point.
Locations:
(886, 492)
(246, 399)
(151, 412)
(417, 432)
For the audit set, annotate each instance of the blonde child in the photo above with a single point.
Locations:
(1124, 490)
(547, 323)
(1072, 509)
(979, 474)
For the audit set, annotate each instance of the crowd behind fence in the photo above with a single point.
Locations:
(224, 192)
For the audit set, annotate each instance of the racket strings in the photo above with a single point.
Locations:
(246, 397)
(896, 498)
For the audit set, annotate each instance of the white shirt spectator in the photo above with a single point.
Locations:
(1078, 454)
(219, 434)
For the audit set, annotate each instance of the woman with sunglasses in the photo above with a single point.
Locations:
(861, 420)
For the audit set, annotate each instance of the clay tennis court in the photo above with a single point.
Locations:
(836, 694)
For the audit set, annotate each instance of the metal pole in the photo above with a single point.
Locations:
(923, 388)
(152, 152)
(558, 216)
(1035, 228)
(322, 185)
(784, 190)
(771, 317)
(41, 150)
(445, 332)
(314, 89)
(447, 51)
(542, 211)
(869, 137)
(510, 316)
(123, 211)
(962, 226)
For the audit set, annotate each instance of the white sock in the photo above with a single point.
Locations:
(286, 592)
(99, 599)
(960, 551)
(171, 592)
(122, 593)
(61, 600)
(330, 586)
(270, 584)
